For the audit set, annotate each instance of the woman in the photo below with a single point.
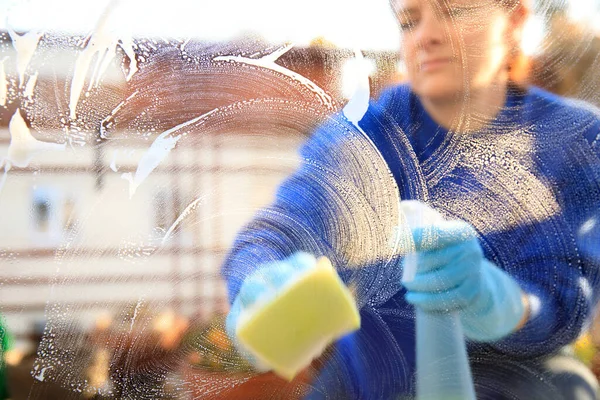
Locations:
(516, 169)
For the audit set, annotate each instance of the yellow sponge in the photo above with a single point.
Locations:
(289, 331)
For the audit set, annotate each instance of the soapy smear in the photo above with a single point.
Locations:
(23, 146)
(188, 210)
(108, 120)
(158, 151)
(113, 161)
(28, 92)
(102, 44)
(25, 46)
(268, 61)
(135, 313)
(3, 83)
(40, 377)
(226, 169)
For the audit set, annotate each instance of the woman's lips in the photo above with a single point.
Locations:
(434, 64)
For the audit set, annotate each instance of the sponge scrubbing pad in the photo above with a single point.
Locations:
(290, 330)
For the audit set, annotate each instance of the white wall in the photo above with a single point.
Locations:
(112, 256)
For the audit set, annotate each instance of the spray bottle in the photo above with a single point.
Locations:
(443, 370)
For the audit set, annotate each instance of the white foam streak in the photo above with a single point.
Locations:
(158, 151)
(268, 62)
(191, 207)
(23, 146)
(3, 83)
(113, 162)
(28, 92)
(25, 46)
(102, 44)
(106, 121)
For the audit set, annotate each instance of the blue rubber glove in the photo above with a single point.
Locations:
(261, 286)
(453, 275)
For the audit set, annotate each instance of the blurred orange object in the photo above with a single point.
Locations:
(219, 339)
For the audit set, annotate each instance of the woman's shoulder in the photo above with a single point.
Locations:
(563, 113)
(550, 103)
(392, 106)
(394, 97)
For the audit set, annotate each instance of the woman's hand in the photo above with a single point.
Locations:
(453, 275)
(261, 286)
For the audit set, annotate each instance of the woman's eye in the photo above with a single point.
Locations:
(457, 11)
(407, 25)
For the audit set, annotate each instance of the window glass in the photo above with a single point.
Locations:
(155, 157)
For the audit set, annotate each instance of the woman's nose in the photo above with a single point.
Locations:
(430, 31)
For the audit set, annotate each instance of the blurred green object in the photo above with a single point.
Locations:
(5, 339)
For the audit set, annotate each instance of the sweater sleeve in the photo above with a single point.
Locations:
(340, 203)
(559, 263)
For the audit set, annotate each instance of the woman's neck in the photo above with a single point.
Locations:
(469, 111)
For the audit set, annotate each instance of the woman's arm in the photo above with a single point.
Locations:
(298, 220)
(557, 262)
(341, 203)
(560, 295)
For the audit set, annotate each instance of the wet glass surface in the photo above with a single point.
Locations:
(156, 156)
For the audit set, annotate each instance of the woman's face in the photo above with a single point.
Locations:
(454, 46)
